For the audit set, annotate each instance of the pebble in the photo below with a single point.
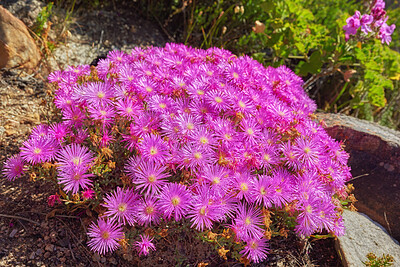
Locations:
(49, 247)
(63, 259)
(13, 232)
(32, 256)
(113, 261)
(39, 252)
(96, 257)
(47, 255)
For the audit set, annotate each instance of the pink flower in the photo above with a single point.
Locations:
(104, 236)
(14, 167)
(88, 193)
(53, 199)
(353, 23)
(144, 246)
(175, 200)
(122, 206)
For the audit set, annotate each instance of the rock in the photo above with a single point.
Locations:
(13, 232)
(364, 236)
(17, 47)
(32, 256)
(49, 247)
(375, 162)
(46, 255)
(25, 10)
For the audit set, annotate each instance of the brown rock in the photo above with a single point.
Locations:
(375, 164)
(17, 47)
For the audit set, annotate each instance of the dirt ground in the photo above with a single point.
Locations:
(34, 234)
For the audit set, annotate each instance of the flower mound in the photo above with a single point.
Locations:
(211, 138)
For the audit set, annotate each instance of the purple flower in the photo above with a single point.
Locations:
(247, 222)
(174, 199)
(74, 156)
(104, 236)
(256, 249)
(148, 212)
(365, 21)
(353, 23)
(385, 33)
(154, 149)
(14, 167)
(122, 206)
(203, 211)
(144, 246)
(38, 150)
(150, 177)
(73, 178)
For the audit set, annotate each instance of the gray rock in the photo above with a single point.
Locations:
(375, 162)
(364, 236)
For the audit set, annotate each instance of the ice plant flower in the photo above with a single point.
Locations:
(179, 133)
(14, 167)
(104, 236)
(144, 245)
(122, 206)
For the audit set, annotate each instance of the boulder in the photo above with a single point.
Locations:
(364, 236)
(17, 47)
(375, 162)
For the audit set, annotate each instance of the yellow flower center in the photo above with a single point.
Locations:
(267, 157)
(200, 92)
(175, 201)
(162, 105)
(228, 137)
(250, 131)
(151, 178)
(216, 180)
(307, 150)
(105, 235)
(309, 209)
(129, 110)
(149, 210)
(198, 155)
(149, 89)
(37, 151)
(244, 187)
(203, 210)
(190, 126)
(247, 221)
(235, 75)
(101, 95)
(76, 161)
(149, 73)
(153, 150)
(122, 207)
(204, 140)
(218, 99)
(262, 190)
(241, 104)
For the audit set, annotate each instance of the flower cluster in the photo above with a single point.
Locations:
(374, 22)
(211, 138)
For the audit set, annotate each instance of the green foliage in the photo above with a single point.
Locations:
(42, 18)
(374, 261)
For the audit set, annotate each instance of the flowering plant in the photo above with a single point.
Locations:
(374, 22)
(178, 133)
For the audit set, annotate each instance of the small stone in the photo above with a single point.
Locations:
(10, 132)
(39, 252)
(127, 257)
(49, 247)
(63, 259)
(96, 257)
(13, 232)
(103, 260)
(47, 255)
(32, 256)
(113, 261)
